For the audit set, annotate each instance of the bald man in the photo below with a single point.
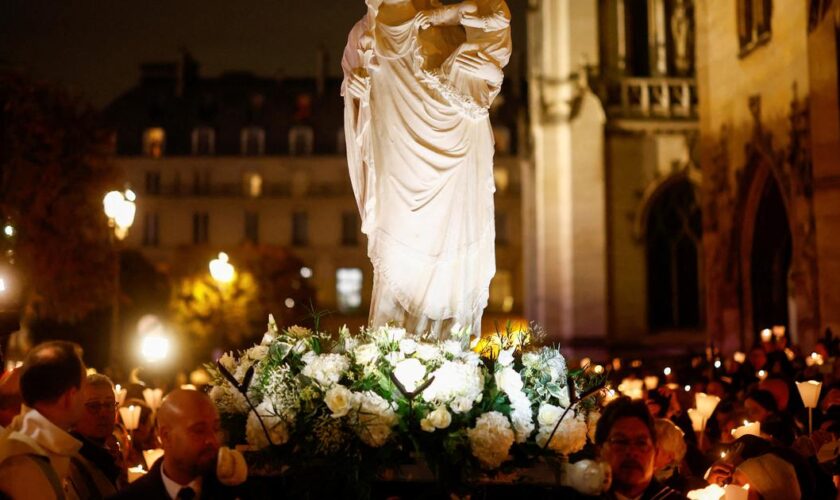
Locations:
(188, 427)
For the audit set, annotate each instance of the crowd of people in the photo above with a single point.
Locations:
(62, 436)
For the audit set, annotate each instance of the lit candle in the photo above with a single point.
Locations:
(632, 388)
(152, 456)
(809, 391)
(734, 492)
(710, 492)
(761, 375)
(598, 369)
(789, 353)
(698, 422)
(687, 388)
(706, 404)
(130, 416)
(135, 473)
(766, 335)
(119, 394)
(667, 371)
(153, 398)
(651, 382)
(739, 357)
(752, 428)
(778, 331)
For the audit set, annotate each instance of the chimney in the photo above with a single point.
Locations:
(321, 61)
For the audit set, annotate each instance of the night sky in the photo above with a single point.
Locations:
(94, 47)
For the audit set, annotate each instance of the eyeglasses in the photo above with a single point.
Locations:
(621, 444)
(97, 406)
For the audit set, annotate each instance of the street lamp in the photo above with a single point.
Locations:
(120, 208)
(223, 273)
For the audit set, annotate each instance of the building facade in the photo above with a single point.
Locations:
(237, 159)
(616, 259)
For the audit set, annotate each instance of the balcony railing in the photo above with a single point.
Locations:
(653, 98)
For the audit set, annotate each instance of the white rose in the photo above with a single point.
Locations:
(440, 418)
(408, 346)
(548, 415)
(506, 356)
(339, 400)
(426, 425)
(366, 354)
(509, 381)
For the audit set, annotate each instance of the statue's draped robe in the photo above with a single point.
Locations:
(422, 172)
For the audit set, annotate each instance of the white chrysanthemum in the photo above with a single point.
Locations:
(228, 399)
(491, 439)
(326, 369)
(375, 418)
(299, 332)
(521, 416)
(228, 361)
(569, 438)
(457, 384)
(277, 427)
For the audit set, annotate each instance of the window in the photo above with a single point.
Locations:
(201, 182)
(152, 182)
(252, 184)
(501, 229)
(253, 141)
(753, 23)
(673, 235)
(150, 229)
(154, 142)
(252, 227)
(203, 141)
(348, 288)
(301, 139)
(501, 291)
(201, 225)
(300, 229)
(349, 229)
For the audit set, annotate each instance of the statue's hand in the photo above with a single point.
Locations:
(358, 85)
(467, 7)
(423, 19)
(480, 66)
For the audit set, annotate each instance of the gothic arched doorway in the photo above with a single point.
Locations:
(673, 239)
(770, 259)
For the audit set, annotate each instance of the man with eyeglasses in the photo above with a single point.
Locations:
(626, 438)
(98, 470)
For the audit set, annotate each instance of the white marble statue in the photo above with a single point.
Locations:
(419, 78)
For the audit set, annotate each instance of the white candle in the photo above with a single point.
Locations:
(753, 428)
(766, 335)
(733, 492)
(698, 422)
(135, 473)
(130, 416)
(706, 404)
(710, 492)
(809, 391)
(151, 456)
(153, 398)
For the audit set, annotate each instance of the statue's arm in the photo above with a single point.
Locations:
(449, 15)
(498, 19)
(356, 62)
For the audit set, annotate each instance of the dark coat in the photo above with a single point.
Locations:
(150, 487)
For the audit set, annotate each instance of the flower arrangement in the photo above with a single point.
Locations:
(383, 394)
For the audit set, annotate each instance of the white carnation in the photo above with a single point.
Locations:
(428, 352)
(276, 426)
(326, 369)
(506, 357)
(410, 373)
(509, 381)
(491, 439)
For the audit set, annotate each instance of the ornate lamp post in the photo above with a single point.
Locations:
(120, 208)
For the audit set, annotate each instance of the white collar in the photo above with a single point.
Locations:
(173, 487)
(48, 435)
